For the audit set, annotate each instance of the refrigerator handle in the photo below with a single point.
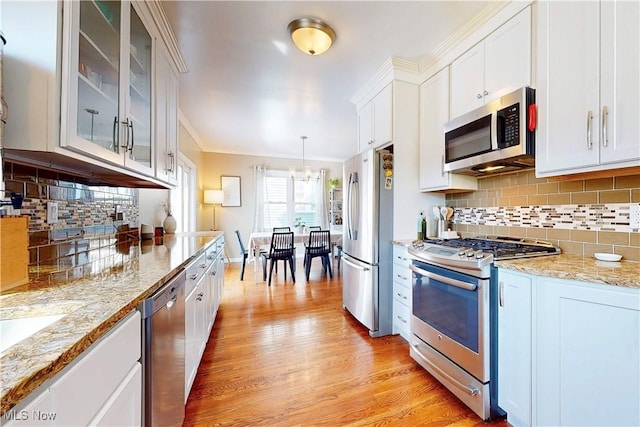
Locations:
(348, 206)
(354, 205)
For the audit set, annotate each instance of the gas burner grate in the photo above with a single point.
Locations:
(501, 247)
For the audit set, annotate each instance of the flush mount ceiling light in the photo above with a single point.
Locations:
(310, 35)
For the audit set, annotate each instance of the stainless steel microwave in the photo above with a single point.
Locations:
(497, 137)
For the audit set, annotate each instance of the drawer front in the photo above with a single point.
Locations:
(401, 315)
(402, 275)
(400, 255)
(195, 270)
(402, 294)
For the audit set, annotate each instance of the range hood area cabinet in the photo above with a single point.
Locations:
(496, 66)
(588, 90)
(83, 86)
(434, 113)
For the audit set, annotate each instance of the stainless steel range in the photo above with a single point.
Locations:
(454, 322)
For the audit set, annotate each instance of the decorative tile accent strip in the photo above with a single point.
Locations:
(598, 217)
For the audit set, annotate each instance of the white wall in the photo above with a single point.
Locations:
(150, 206)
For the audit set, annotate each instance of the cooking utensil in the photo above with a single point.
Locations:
(443, 213)
(449, 213)
(436, 212)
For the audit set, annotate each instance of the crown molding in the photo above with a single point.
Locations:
(167, 35)
(187, 125)
(478, 28)
(481, 25)
(394, 68)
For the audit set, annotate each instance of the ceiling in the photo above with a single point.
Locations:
(249, 90)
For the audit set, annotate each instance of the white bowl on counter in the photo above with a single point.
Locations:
(607, 257)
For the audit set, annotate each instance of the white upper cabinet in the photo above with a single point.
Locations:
(434, 113)
(588, 89)
(166, 119)
(83, 89)
(375, 120)
(106, 101)
(493, 67)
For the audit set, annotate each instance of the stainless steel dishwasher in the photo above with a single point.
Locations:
(163, 352)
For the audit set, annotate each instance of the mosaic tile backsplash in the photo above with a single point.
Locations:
(85, 239)
(582, 216)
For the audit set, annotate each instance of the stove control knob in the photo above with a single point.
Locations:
(479, 254)
(470, 253)
(462, 252)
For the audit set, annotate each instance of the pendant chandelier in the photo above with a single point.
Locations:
(307, 173)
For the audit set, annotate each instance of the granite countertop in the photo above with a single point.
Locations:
(402, 242)
(577, 267)
(91, 307)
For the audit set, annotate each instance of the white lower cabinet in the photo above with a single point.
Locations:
(569, 352)
(514, 347)
(201, 306)
(401, 291)
(587, 364)
(103, 386)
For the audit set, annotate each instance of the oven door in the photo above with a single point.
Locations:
(451, 313)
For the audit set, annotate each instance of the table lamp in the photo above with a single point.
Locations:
(214, 197)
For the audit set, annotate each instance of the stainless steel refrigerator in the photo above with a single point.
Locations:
(367, 234)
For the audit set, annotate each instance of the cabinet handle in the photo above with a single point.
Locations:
(485, 93)
(401, 277)
(479, 96)
(133, 140)
(589, 119)
(501, 294)
(114, 143)
(605, 116)
(199, 296)
(442, 165)
(401, 319)
(194, 277)
(401, 296)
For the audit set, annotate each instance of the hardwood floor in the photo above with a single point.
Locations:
(289, 355)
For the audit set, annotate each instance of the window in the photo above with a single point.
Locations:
(183, 200)
(286, 199)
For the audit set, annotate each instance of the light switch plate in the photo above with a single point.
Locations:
(634, 215)
(52, 213)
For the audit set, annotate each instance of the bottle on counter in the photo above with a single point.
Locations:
(420, 234)
(423, 227)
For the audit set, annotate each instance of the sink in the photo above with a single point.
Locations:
(12, 331)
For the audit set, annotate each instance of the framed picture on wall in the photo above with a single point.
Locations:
(231, 187)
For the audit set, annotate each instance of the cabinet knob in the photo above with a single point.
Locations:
(479, 96)
(485, 93)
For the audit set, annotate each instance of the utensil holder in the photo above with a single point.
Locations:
(443, 225)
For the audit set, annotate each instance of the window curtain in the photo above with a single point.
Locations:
(322, 201)
(258, 203)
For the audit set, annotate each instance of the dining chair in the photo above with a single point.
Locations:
(319, 245)
(284, 230)
(245, 254)
(281, 249)
(311, 228)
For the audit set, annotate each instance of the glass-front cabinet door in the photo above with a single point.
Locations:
(106, 101)
(139, 95)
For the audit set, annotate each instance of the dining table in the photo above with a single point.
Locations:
(262, 240)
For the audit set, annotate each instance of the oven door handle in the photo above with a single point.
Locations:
(447, 280)
(471, 390)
